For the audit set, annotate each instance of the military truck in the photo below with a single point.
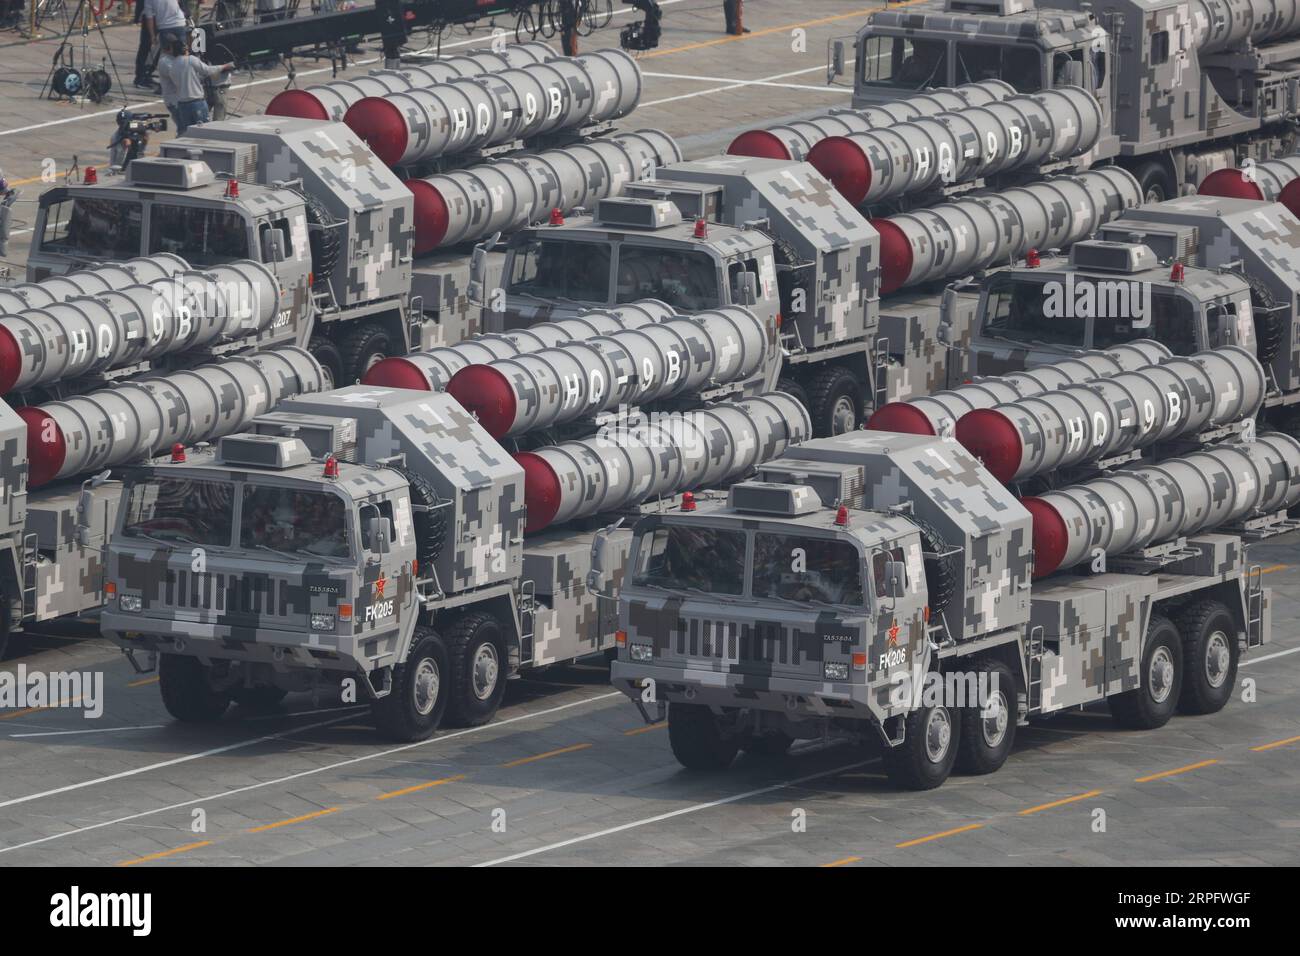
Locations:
(1187, 89)
(885, 587)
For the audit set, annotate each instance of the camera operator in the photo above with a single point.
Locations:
(182, 76)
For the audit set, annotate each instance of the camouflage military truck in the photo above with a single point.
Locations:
(1188, 88)
(374, 539)
(885, 587)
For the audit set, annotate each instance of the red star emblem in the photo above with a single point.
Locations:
(893, 634)
(379, 587)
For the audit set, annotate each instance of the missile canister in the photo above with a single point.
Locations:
(1115, 414)
(961, 237)
(145, 416)
(105, 278)
(1220, 24)
(133, 323)
(795, 140)
(505, 195)
(661, 455)
(1157, 504)
(957, 147)
(479, 112)
(1275, 180)
(939, 413)
(329, 101)
(433, 368)
(584, 378)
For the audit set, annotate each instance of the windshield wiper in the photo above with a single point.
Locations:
(277, 551)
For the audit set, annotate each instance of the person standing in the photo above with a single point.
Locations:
(182, 75)
(733, 11)
(164, 18)
(143, 66)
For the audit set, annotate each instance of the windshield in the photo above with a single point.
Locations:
(1030, 310)
(293, 521)
(181, 510)
(204, 236)
(686, 278)
(558, 269)
(1021, 66)
(797, 568)
(690, 557)
(93, 227)
(903, 62)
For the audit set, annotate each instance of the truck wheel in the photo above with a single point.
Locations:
(767, 745)
(479, 666)
(1154, 181)
(187, 693)
(1210, 653)
(795, 391)
(836, 402)
(697, 740)
(925, 757)
(414, 707)
(1152, 704)
(331, 362)
(259, 699)
(987, 737)
(363, 349)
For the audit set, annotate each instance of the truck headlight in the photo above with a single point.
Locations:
(642, 652)
(322, 622)
(130, 602)
(835, 670)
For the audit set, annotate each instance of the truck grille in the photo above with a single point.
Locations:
(735, 641)
(226, 593)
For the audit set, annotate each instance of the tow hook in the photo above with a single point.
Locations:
(660, 708)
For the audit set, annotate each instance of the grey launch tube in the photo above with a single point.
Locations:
(480, 112)
(133, 323)
(433, 368)
(1156, 504)
(796, 140)
(584, 378)
(1112, 415)
(659, 456)
(1220, 24)
(104, 278)
(502, 196)
(1274, 180)
(330, 101)
(145, 416)
(961, 237)
(957, 147)
(939, 413)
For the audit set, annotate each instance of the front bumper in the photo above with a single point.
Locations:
(791, 696)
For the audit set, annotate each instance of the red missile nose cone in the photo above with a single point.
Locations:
(431, 217)
(541, 491)
(1230, 184)
(381, 125)
(900, 417)
(1050, 536)
(760, 143)
(11, 361)
(46, 447)
(1290, 197)
(396, 373)
(895, 256)
(485, 392)
(991, 437)
(843, 162)
(299, 103)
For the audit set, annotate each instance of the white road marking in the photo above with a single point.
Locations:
(739, 84)
(1269, 657)
(732, 79)
(694, 808)
(295, 776)
(98, 730)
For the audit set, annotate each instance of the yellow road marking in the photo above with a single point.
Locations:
(646, 729)
(844, 862)
(1275, 567)
(285, 823)
(1060, 803)
(420, 786)
(166, 853)
(1276, 743)
(550, 753)
(1172, 773)
(141, 683)
(939, 836)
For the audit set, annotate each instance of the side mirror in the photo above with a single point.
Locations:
(895, 578)
(745, 291)
(273, 245)
(478, 269)
(604, 559)
(379, 535)
(1073, 75)
(86, 508)
(836, 66)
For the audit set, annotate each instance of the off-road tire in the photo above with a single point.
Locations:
(1151, 704)
(331, 361)
(362, 348)
(697, 741)
(976, 754)
(796, 391)
(1154, 181)
(1210, 653)
(430, 524)
(910, 765)
(468, 643)
(405, 715)
(259, 699)
(831, 390)
(186, 692)
(767, 745)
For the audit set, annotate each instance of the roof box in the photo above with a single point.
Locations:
(624, 213)
(774, 498)
(263, 451)
(163, 172)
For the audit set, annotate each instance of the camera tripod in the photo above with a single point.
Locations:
(85, 14)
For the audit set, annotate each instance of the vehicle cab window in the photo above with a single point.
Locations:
(311, 523)
(807, 569)
(903, 62)
(202, 235)
(93, 227)
(560, 269)
(1021, 66)
(692, 558)
(687, 279)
